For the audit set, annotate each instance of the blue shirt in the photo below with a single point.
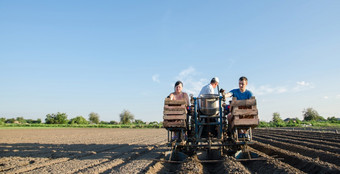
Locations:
(241, 96)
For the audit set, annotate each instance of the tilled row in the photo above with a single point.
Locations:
(70, 158)
(301, 162)
(272, 164)
(303, 150)
(319, 146)
(329, 137)
(193, 165)
(73, 163)
(229, 165)
(294, 137)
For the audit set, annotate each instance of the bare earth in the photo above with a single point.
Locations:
(73, 150)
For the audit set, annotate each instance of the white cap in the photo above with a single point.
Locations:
(216, 79)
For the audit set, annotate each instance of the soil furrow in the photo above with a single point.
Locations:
(139, 163)
(332, 137)
(303, 163)
(334, 144)
(65, 153)
(303, 143)
(96, 157)
(134, 150)
(313, 153)
(271, 165)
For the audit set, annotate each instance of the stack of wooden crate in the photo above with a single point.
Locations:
(175, 114)
(244, 113)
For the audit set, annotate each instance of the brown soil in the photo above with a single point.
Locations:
(142, 151)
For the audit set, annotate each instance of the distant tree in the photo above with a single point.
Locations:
(2, 120)
(277, 121)
(277, 118)
(104, 122)
(58, 118)
(153, 122)
(139, 122)
(113, 122)
(21, 120)
(126, 117)
(29, 121)
(10, 120)
(333, 119)
(94, 118)
(79, 120)
(38, 120)
(311, 114)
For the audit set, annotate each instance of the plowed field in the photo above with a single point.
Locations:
(134, 150)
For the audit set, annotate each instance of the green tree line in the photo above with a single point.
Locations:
(310, 118)
(126, 117)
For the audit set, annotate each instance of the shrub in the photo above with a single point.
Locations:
(94, 118)
(126, 117)
(59, 118)
(79, 120)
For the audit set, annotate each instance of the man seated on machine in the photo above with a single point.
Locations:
(209, 89)
(241, 94)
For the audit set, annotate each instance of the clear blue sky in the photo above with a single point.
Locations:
(79, 57)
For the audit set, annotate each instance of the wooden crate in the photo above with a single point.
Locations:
(244, 113)
(174, 114)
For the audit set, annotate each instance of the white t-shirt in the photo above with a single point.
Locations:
(207, 89)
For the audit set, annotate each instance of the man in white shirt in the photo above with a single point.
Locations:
(209, 89)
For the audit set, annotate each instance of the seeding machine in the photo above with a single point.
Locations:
(202, 128)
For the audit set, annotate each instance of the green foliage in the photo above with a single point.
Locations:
(94, 118)
(59, 118)
(139, 122)
(277, 121)
(2, 120)
(104, 122)
(325, 124)
(126, 117)
(292, 123)
(79, 120)
(310, 114)
(21, 120)
(113, 122)
(298, 121)
(29, 121)
(264, 124)
(277, 118)
(333, 119)
(153, 122)
(10, 120)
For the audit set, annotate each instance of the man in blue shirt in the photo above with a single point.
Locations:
(242, 93)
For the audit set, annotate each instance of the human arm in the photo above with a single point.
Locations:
(171, 96)
(227, 95)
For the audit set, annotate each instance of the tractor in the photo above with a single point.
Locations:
(202, 129)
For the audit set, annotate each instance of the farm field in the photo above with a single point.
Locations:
(100, 150)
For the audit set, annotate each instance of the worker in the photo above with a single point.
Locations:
(241, 94)
(178, 94)
(209, 88)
